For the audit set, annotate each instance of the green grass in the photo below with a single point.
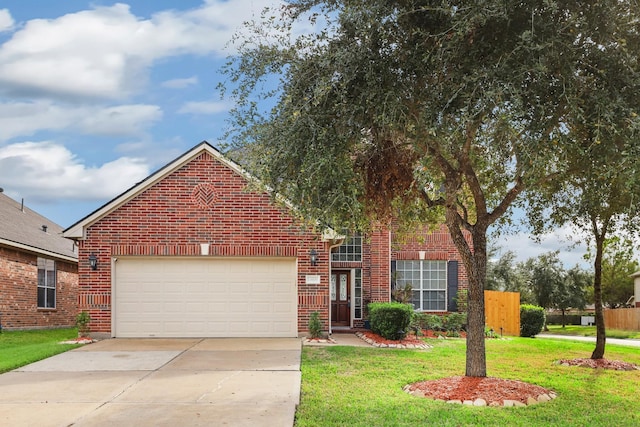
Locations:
(590, 331)
(359, 386)
(19, 348)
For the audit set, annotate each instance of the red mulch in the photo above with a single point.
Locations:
(600, 363)
(494, 391)
(409, 339)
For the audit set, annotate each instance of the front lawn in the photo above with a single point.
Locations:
(590, 331)
(359, 386)
(19, 348)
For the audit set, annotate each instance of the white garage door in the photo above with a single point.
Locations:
(213, 297)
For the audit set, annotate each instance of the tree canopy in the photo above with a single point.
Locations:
(396, 108)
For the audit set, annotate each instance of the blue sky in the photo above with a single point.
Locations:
(96, 95)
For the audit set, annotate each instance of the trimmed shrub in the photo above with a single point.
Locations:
(531, 320)
(390, 320)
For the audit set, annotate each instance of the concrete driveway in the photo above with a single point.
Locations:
(158, 382)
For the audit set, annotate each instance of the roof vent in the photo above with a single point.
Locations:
(44, 228)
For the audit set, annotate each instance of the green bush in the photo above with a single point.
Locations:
(532, 320)
(315, 326)
(82, 323)
(455, 322)
(390, 320)
(433, 322)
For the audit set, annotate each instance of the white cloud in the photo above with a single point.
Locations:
(45, 171)
(6, 21)
(120, 120)
(106, 52)
(180, 83)
(27, 118)
(204, 107)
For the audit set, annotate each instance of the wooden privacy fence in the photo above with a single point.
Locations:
(627, 319)
(502, 312)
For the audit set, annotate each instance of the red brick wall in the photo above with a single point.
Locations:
(19, 292)
(379, 265)
(202, 202)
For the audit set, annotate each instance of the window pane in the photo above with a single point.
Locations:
(415, 300)
(46, 283)
(350, 250)
(51, 279)
(51, 298)
(41, 297)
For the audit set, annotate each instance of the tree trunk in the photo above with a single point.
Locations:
(601, 336)
(475, 263)
(563, 320)
(476, 354)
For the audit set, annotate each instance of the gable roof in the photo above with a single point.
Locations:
(27, 230)
(77, 230)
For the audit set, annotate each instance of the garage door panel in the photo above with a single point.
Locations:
(213, 297)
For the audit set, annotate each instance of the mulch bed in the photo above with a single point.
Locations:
(481, 391)
(617, 365)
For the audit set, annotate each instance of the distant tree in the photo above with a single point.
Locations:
(501, 272)
(547, 276)
(571, 292)
(618, 265)
(506, 275)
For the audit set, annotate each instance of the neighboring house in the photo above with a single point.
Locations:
(194, 251)
(38, 270)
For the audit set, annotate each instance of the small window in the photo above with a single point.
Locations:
(350, 250)
(357, 291)
(428, 280)
(46, 283)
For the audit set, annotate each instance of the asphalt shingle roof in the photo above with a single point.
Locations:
(23, 227)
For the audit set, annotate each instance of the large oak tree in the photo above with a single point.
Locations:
(398, 108)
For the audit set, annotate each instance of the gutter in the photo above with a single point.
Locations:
(37, 250)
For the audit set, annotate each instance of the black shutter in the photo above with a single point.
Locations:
(393, 275)
(452, 286)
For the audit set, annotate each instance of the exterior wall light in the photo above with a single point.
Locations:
(313, 257)
(93, 261)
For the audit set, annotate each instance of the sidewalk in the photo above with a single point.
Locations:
(616, 341)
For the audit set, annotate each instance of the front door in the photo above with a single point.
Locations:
(340, 298)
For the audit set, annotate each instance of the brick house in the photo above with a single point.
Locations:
(194, 251)
(38, 270)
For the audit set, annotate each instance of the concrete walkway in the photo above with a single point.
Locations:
(158, 382)
(616, 341)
